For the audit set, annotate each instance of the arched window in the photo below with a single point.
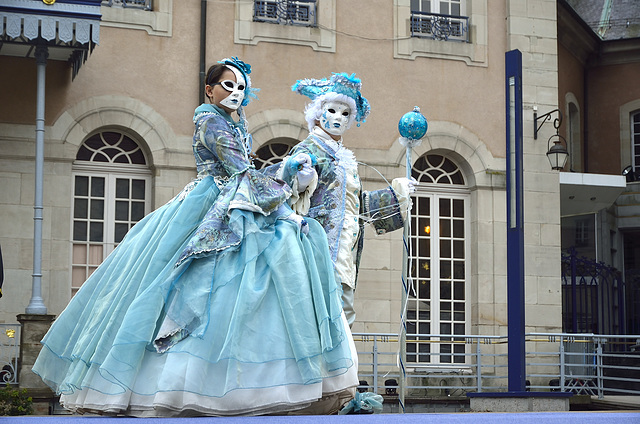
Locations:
(111, 192)
(437, 309)
(273, 152)
(574, 139)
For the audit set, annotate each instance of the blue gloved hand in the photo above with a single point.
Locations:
(297, 162)
(303, 164)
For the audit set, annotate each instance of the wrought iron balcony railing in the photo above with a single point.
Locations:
(439, 27)
(132, 4)
(286, 12)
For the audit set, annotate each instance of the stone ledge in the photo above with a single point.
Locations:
(519, 401)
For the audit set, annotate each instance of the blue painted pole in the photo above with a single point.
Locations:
(515, 225)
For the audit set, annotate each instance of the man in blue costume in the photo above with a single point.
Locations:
(325, 181)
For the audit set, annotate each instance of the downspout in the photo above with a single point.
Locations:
(203, 49)
(36, 304)
(585, 138)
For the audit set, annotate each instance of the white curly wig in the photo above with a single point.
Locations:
(313, 111)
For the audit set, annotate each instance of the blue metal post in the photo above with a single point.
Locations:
(515, 224)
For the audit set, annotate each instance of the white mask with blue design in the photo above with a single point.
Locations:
(235, 89)
(335, 118)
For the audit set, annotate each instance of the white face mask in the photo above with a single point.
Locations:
(335, 117)
(234, 100)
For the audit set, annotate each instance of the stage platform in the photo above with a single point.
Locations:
(457, 418)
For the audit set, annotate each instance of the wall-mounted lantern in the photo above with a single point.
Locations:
(556, 153)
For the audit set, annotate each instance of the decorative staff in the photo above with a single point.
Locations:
(412, 127)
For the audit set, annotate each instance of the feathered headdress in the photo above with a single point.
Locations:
(340, 83)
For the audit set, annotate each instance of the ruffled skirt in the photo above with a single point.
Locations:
(257, 328)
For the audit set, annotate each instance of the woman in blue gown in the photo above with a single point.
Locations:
(220, 302)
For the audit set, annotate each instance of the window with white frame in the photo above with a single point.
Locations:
(153, 16)
(111, 193)
(579, 233)
(454, 30)
(635, 141)
(437, 309)
(305, 23)
(443, 7)
(439, 20)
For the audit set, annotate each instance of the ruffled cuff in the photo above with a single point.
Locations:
(170, 333)
(403, 193)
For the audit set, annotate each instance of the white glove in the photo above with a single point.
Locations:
(407, 185)
(305, 176)
(403, 188)
(300, 159)
(303, 225)
(302, 164)
(286, 213)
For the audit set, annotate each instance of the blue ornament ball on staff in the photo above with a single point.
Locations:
(413, 125)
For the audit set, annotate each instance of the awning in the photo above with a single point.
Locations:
(582, 194)
(69, 28)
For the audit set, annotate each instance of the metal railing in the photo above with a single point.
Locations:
(439, 27)
(590, 364)
(131, 4)
(579, 363)
(9, 353)
(285, 12)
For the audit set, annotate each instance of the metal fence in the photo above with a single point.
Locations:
(9, 353)
(579, 363)
(590, 364)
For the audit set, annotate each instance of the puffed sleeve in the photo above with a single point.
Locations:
(219, 150)
(248, 188)
(382, 207)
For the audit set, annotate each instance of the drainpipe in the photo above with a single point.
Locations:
(36, 304)
(585, 138)
(203, 49)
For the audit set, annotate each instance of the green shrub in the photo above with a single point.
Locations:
(15, 401)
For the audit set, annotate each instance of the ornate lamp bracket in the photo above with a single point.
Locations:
(546, 117)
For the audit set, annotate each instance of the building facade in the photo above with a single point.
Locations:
(598, 57)
(118, 144)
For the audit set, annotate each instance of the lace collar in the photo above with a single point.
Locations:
(335, 148)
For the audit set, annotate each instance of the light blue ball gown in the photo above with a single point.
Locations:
(211, 305)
